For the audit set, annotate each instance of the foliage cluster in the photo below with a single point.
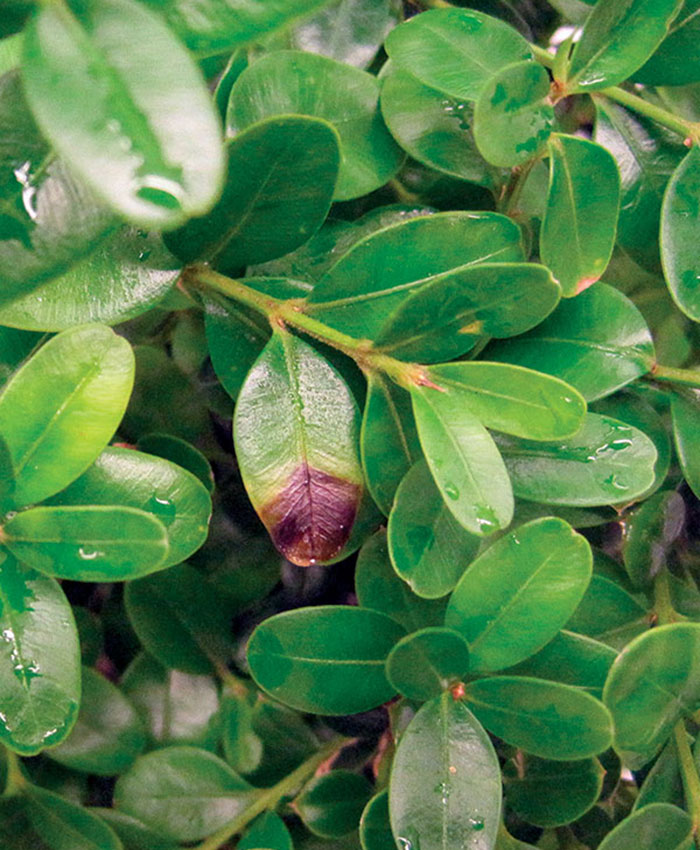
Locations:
(342, 504)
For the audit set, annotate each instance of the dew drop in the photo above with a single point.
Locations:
(452, 491)
(476, 823)
(164, 508)
(144, 255)
(86, 554)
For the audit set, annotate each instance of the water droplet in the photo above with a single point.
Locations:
(452, 491)
(28, 189)
(160, 191)
(476, 822)
(144, 255)
(515, 540)
(86, 554)
(614, 482)
(163, 508)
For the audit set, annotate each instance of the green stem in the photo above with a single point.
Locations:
(15, 777)
(290, 312)
(687, 129)
(685, 377)
(270, 797)
(514, 189)
(689, 772)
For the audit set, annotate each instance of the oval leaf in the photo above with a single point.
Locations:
(58, 821)
(424, 664)
(326, 660)
(656, 825)
(331, 805)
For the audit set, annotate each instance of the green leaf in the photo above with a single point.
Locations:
(425, 663)
(445, 787)
(464, 461)
(48, 217)
(88, 543)
(291, 82)
(126, 275)
(331, 804)
(513, 116)
(653, 683)
(282, 174)
(675, 61)
(646, 156)
(373, 278)
(680, 216)
(65, 825)
(379, 587)
(433, 129)
(515, 597)
(296, 433)
(132, 833)
(618, 37)
(182, 792)
(61, 408)
(267, 830)
(214, 26)
(429, 548)
(325, 660)
(388, 439)
(597, 342)
(649, 532)
(136, 480)
(375, 829)
(39, 660)
(583, 200)
(609, 613)
(605, 462)
(166, 611)
(653, 826)
(108, 734)
(181, 453)
(663, 783)
(447, 316)
(685, 405)
(174, 707)
(553, 793)
(455, 50)
(143, 133)
(243, 747)
(571, 659)
(545, 719)
(514, 400)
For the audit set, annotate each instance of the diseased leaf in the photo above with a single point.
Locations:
(296, 432)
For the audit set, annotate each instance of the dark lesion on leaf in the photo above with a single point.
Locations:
(310, 520)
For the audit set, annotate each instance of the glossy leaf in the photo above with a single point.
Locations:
(654, 683)
(663, 783)
(680, 215)
(267, 831)
(49, 217)
(375, 829)
(58, 821)
(182, 792)
(455, 50)
(597, 342)
(327, 660)
(445, 783)
(88, 543)
(379, 587)
(513, 116)
(685, 404)
(464, 461)
(124, 276)
(108, 734)
(296, 432)
(646, 156)
(331, 805)
(643, 830)
(216, 27)
(165, 611)
(388, 439)
(553, 793)
(243, 747)
(605, 462)
(545, 719)
(291, 82)
(516, 596)
(39, 660)
(282, 174)
(429, 548)
(425, 663)
(512, 399)
(583, 199)
(609, 613)
(181, 453)
(447, 316)
(618, 37)
(147, 483)
(61, 408)
(675, 61)
(374, 277)
(174, 707)
(434, 129)
(139, 128)
(132, 833)
(649, 532)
